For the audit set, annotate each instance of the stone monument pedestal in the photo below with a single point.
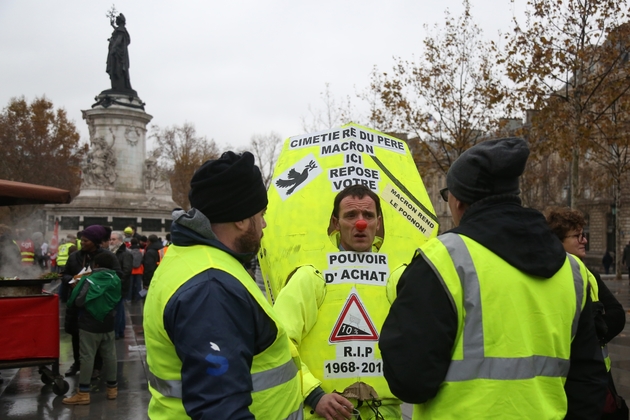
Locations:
(120, 184)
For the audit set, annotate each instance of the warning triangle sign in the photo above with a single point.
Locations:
(353, 323)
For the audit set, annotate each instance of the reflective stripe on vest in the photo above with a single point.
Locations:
(578, 282)
(274, 377)
(474, 364)
(260, 380)
(172, 389)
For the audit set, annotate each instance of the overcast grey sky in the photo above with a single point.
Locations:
(233, 68)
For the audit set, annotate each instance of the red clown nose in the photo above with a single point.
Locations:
(361, 224)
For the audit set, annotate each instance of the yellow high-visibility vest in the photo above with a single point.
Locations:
(275, 374)
(311, 170)
(512, 351)
(63, 253)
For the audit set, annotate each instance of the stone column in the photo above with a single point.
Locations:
(118, 127)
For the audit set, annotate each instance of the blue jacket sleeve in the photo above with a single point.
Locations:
(217, 327)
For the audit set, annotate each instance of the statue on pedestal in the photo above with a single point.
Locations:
(156, 180)
(100, 166)
(118, 54)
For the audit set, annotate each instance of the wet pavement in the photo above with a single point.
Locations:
(23, 395)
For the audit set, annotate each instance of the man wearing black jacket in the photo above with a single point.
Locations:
(152, 257)
(493, 318)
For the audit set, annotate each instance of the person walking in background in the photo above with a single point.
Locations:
(134, 232)
(607, 261)
(167, 241)
(143, 240)
(63, 252)
(152, 257)
(79, 262)
(117, 246)
(128, 236)
(133, 294)
(493, 318)
(38, 249)
(96, 295)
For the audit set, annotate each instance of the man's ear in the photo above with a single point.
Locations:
(461, 206)
(335, 222)
(242, 225)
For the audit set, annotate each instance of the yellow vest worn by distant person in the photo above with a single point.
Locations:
(63, 254)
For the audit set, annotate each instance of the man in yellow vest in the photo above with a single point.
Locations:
(335, 319)
(215, 347)
(63, 252)
(493, 319)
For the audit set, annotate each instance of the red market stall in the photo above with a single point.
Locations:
(28, 316)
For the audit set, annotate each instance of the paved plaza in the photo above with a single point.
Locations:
(23, 396)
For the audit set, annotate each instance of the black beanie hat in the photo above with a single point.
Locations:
(228, 189)
(488, 168)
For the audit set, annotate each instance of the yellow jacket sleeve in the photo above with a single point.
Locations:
(297, 306)
(392, 283)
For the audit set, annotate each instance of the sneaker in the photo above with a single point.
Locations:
(80, 398)
(112, 393)
(73, 370)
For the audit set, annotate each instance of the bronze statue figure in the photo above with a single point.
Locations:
(118, 56)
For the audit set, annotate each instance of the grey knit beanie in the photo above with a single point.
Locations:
(488, 168)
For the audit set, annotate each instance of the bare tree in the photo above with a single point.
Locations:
(610, 150)
(336, 112)
(266, 149)
(183, 151)
(561, 60)
(448, 99)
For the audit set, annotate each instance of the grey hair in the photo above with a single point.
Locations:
(119, 234)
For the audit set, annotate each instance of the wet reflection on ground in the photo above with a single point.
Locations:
(23, 395)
